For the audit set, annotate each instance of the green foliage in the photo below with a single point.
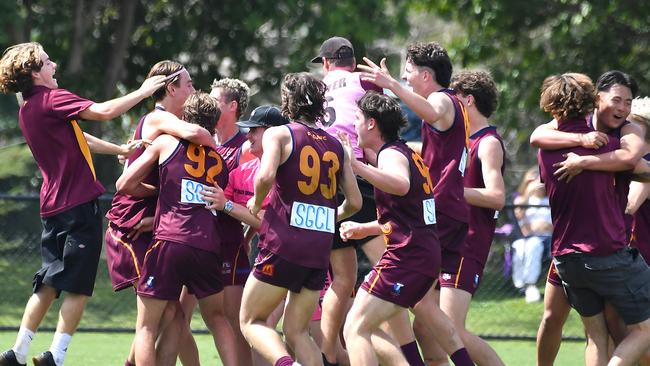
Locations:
(522, 42)
(257, 41)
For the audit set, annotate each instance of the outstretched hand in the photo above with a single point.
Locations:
(378, 75)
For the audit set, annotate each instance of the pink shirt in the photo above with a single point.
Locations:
(240, 186)
(344, 89)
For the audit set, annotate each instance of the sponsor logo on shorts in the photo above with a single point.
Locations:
(397, 288)
(149, 283)
(268, 269)
(476, 280)
(446, 276)
(226, 268)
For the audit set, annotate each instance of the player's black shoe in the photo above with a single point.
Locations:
(44, 359)
(8, 358)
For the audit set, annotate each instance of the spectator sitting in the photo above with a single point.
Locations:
(536, 228)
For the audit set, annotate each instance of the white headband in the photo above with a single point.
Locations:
(175, 74)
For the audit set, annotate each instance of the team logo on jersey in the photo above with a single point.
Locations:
(476, 280)
(446, 276)
(397, 288)
(149, 283)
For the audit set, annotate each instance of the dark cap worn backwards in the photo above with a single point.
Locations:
(264, 116)
(334, 48)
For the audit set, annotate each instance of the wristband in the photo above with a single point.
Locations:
(228, 206)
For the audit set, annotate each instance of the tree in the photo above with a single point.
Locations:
(522, 42)
(105, 48)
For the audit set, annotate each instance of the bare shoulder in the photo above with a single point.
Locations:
(631, 128)
(165, 140)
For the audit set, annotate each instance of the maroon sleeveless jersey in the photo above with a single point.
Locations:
(181, 216)
(231, 150)
(127, 211)
(445, 152)
(299, 223)
(482, 221)
(230, 229)
(408, 222)
(586, 212)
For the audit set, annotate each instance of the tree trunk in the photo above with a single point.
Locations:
(120, 47)
(83, 18)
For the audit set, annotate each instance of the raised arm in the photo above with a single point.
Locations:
(434, 110)
(130, 182)
(624, 158)
(112, 108)
(548, 137)
(391, 176)
(168, 123)
(493, 195)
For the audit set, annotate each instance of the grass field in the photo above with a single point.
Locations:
(110, 349)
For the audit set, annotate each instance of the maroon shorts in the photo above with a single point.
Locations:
(274, 270)
(168, 266)
(553, 278)
(397, 285)
(124, 256)
(467, 277)
(235, 267)
(452, 235)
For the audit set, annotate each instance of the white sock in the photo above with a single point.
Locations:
(23, 341)
(296, 364)
(59, 347)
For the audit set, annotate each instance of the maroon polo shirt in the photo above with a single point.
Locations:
(48, 120)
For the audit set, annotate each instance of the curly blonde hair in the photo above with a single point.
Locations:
(16, 66)
(568, 96)
(234, 89)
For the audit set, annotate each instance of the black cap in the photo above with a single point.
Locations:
(264, 116)
(335, 47)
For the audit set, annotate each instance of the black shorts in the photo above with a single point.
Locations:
(70, 247)
(367, 213)
(622, 279)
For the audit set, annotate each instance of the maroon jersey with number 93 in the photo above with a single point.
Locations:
(299, 223)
